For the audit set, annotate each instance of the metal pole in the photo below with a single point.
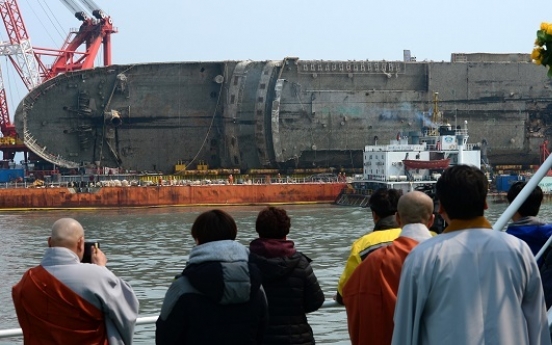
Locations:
(543, 249)
(522, 196)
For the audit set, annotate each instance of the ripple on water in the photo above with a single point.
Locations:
(149, 247)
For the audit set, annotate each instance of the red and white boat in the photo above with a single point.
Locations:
(413, 161)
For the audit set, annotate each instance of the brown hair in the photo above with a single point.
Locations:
(273, 222)
(214, 225)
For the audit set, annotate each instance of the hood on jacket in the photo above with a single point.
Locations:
(276, 259)
(529, 220)
(386, 223)
(221, 271)
(272, 248)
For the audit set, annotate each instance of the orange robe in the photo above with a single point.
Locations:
(51, 313)
(371, 293)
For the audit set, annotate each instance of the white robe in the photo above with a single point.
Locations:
(474, 286)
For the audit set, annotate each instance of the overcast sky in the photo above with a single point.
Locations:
(212, 30)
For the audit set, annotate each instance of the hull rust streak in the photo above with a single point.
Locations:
(154, 196)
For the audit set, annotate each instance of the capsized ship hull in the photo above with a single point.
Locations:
(159, 196)
(280, 114)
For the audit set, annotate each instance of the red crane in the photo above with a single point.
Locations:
(29, 62)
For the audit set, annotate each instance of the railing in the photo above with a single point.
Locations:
(30, 142)
(66, 181)
(145, 320)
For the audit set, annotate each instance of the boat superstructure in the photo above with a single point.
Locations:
(412, 161)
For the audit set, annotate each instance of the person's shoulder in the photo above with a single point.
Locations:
(428, 247)
(376, 236)
(507, 238)
(98, 272)
(378, 254)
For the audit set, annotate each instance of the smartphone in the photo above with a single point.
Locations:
(87, 256)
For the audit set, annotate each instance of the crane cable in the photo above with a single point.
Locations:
(212, 119)
(49, 16)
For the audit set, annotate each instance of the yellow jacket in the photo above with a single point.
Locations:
(362, 247)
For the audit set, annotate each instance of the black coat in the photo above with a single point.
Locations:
(216, 300)
(291, 288)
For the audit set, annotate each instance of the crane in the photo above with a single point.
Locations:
(29, 61)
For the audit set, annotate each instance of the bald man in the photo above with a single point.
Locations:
(371, 292)
(64, 301)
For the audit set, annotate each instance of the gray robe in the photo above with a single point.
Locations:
(99, 286)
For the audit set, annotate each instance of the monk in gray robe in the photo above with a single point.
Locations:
(64, 301)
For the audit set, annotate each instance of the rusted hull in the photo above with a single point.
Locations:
(109, 197)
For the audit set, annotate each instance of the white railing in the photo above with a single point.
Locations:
(144, 320)
(40, 151)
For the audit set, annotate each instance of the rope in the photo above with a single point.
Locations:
(212, 120)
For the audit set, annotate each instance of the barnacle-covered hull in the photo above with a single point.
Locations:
(280, 114)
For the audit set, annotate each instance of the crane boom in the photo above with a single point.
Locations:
(76, 10)
(27, 60)
(24, 60)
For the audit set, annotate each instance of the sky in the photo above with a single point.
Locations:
(215, 30)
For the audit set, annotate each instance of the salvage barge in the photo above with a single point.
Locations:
(163, 196)
(282, 114)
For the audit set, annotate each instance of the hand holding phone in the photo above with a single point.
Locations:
(89, 249)
(98, 257)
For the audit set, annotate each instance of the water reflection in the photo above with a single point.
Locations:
(148, 247)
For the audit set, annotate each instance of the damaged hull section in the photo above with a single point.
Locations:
(280, 114)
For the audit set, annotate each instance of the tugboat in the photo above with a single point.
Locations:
(413, 161)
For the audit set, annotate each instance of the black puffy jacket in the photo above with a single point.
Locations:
(291, 288)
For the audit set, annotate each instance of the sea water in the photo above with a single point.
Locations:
(148, 247)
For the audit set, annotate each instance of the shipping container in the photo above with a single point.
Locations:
(11, 175)
(504, 182)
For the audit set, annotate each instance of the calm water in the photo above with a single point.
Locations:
(148, 247)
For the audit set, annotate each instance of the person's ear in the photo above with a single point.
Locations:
(430, 221)
(80, 247)
(398, 219)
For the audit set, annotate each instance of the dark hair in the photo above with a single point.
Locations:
(273, 222)
(462, 191)
(214, 225)
(531, 205)
(383, 202)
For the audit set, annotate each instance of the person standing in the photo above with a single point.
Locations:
(371, 291)
(470, 284)
(218, 298)
(64, 301)
(535, 232)
(526, 225)
(383, 205)
(291, 287)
